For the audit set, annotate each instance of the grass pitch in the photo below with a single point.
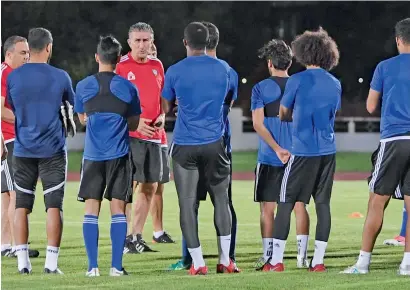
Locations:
(147, 271)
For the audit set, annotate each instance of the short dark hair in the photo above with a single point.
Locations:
(213, 35)
(196, 35)
(316, 48)
(39, 38)
(108, 50)
(141, 26)
(403, 30)
(278, 52)
(10, 42)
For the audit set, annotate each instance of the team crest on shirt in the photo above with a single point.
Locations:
(130, 76)
(155, 72)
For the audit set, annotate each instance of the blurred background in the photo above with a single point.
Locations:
(364, 32)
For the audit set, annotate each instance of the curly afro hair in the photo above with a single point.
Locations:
(278, 52)
(316, 48)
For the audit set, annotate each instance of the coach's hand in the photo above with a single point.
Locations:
(283, 155)
(159, 122)
(144, 127)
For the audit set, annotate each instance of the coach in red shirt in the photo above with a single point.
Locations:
(147, 73)
(16, 53)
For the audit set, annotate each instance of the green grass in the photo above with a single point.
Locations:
(245, 161)
(147, 270)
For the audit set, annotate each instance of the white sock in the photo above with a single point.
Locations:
(197, 257)
(5, 247)
(52, 258)
(224, 244)
(320, 249)
(267, 248)
(278, 250)
(302, 245)
(406, 260)
(158, 234)
(364, 259)
(22, 257)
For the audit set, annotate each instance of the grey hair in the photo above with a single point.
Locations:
(141, 26)
(10, 42)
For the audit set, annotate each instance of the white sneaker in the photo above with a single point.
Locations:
(355, 270)
(94, 272)
(56, 271)
(116, 273)
(397, 241)
(405, 271)
(302, 262)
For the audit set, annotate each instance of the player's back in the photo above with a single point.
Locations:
(201, 84)
(36, 91)
(267, 94)
(108, 100)
(317, 97)
(392, 79)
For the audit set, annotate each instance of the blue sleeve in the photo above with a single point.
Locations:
(8, 95)
(127, 92)
(135, 105)
(256, 98)
(234, 83)
(289, 96)
(85, 90)
(377, 80)
(339, 104)
(168, 92)
(68, 92)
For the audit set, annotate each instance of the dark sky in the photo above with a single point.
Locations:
(364, 32)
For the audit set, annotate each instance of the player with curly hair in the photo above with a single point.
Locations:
(312, 98)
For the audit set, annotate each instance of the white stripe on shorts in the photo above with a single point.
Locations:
(285, 179)
(9, 180)
(395, 139)
(397, 193)
(377, 166)
(257, 173)
(23, 189)
(161, 165)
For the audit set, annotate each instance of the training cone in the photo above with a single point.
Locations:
(356, 215)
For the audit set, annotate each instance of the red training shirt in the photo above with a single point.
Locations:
(149, 78)
(6, 128)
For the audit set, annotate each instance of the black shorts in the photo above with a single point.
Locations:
(52, 172)
(391, 168)
(307, 176)
(202, 189)
(106, 179)
(211, 160)
(147, 161)
(268, 181)
(7, 178)
(166, 174)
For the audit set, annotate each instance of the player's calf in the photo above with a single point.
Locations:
(54, 207)
(266, 222)
(24, 206)
(302, 234)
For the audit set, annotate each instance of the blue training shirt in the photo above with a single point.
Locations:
(108, 100)
(392, 79)
(267, 94)
(315, 96)
(35, 92)
(200, 84)
(231, 96)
